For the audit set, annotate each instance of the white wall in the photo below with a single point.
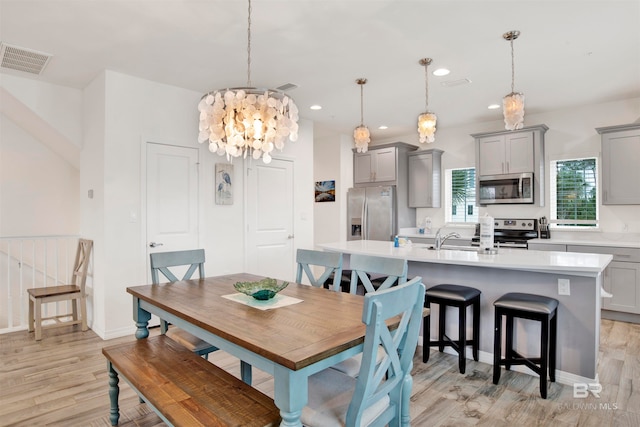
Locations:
(571, 134)
(39, 189)
(331, 162)
(137, 111)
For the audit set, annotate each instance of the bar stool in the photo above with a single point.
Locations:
(533, 307)
(454, 296)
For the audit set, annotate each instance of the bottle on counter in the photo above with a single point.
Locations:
(396, 242)
(427, 225)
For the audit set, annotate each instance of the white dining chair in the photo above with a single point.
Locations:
(161, 262)
(331, 261)
(380, 394)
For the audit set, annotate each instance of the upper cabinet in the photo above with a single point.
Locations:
(381, 165)
(376, 165)
(620, 160)
(513, 152)
(425, 178)
(502, 154)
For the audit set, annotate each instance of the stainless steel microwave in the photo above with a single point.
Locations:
(506, 189)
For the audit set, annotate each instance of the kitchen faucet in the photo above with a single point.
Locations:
(440, 239)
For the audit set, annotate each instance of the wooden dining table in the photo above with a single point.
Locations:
(290, 342)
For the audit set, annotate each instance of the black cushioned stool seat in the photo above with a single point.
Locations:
(452, 296)
(533, 307)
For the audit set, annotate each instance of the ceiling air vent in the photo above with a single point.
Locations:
(452, 83)
(21, 59)
(287, 86)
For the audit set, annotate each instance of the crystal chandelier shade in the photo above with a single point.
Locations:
(513, 103)
(361, 134)
(427, 120)
(238, 121)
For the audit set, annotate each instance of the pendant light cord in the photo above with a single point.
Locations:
(513, 68)
(249, 46)
(361, 104)
(426, 88)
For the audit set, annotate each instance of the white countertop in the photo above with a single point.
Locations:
(580, 264)
(619, 240)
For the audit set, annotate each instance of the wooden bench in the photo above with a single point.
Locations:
(183, 388)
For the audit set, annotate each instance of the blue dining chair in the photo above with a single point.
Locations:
(331, 261)
(161, 262)
(381, 392)
(392, 271)
(363, 267)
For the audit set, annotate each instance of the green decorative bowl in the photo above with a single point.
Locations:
(263, 290)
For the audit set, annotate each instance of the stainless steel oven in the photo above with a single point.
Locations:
(506, 189)
(510, 233)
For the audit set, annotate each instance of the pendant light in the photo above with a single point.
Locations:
(236, 121)
(426, 120)
(513, 103)
(361, 134)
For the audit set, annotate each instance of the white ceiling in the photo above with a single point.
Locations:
(570, 53)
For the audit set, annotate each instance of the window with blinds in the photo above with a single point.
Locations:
(461, 196)
(574, 192)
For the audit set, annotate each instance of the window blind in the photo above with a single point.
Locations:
(574, 192)
(463, 196)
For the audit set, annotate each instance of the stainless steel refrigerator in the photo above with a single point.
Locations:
(373, 213)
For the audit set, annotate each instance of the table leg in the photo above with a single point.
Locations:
(291, 390)
(141, 317)
(114, 392)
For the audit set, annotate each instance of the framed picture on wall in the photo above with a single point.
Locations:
(325, 191)
(224, 184)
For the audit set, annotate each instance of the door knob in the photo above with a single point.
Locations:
(290, 236)
(154, 244)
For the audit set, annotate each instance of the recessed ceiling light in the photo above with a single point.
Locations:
(493, 106)
(441, 72)
(383, 127)
(316, 107)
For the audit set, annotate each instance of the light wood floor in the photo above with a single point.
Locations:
(62, 381)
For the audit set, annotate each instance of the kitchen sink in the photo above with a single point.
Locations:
(454, 248)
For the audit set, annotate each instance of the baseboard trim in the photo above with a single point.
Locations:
(562, 377)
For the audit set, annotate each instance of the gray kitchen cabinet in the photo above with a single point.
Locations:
(535, 246)
(508, 153)
(425, 178)
(381, 165)
(621, 277)
(375, 165)
(513, 152)
(620, 160)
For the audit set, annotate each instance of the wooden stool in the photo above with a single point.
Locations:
(454, 296)
(533, 307)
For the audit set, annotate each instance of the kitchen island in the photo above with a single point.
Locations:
(513, 270)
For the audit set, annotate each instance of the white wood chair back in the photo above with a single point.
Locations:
(74, 292)
(394, 268)
(81, 264)
(331, 261)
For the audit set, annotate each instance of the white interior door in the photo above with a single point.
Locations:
(270, 219)
(172, 199)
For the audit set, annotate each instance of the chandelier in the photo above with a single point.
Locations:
(361, 134)
(426, 120)
(513, 103)
(237, 121)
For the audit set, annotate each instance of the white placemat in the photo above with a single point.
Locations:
(275, 302)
